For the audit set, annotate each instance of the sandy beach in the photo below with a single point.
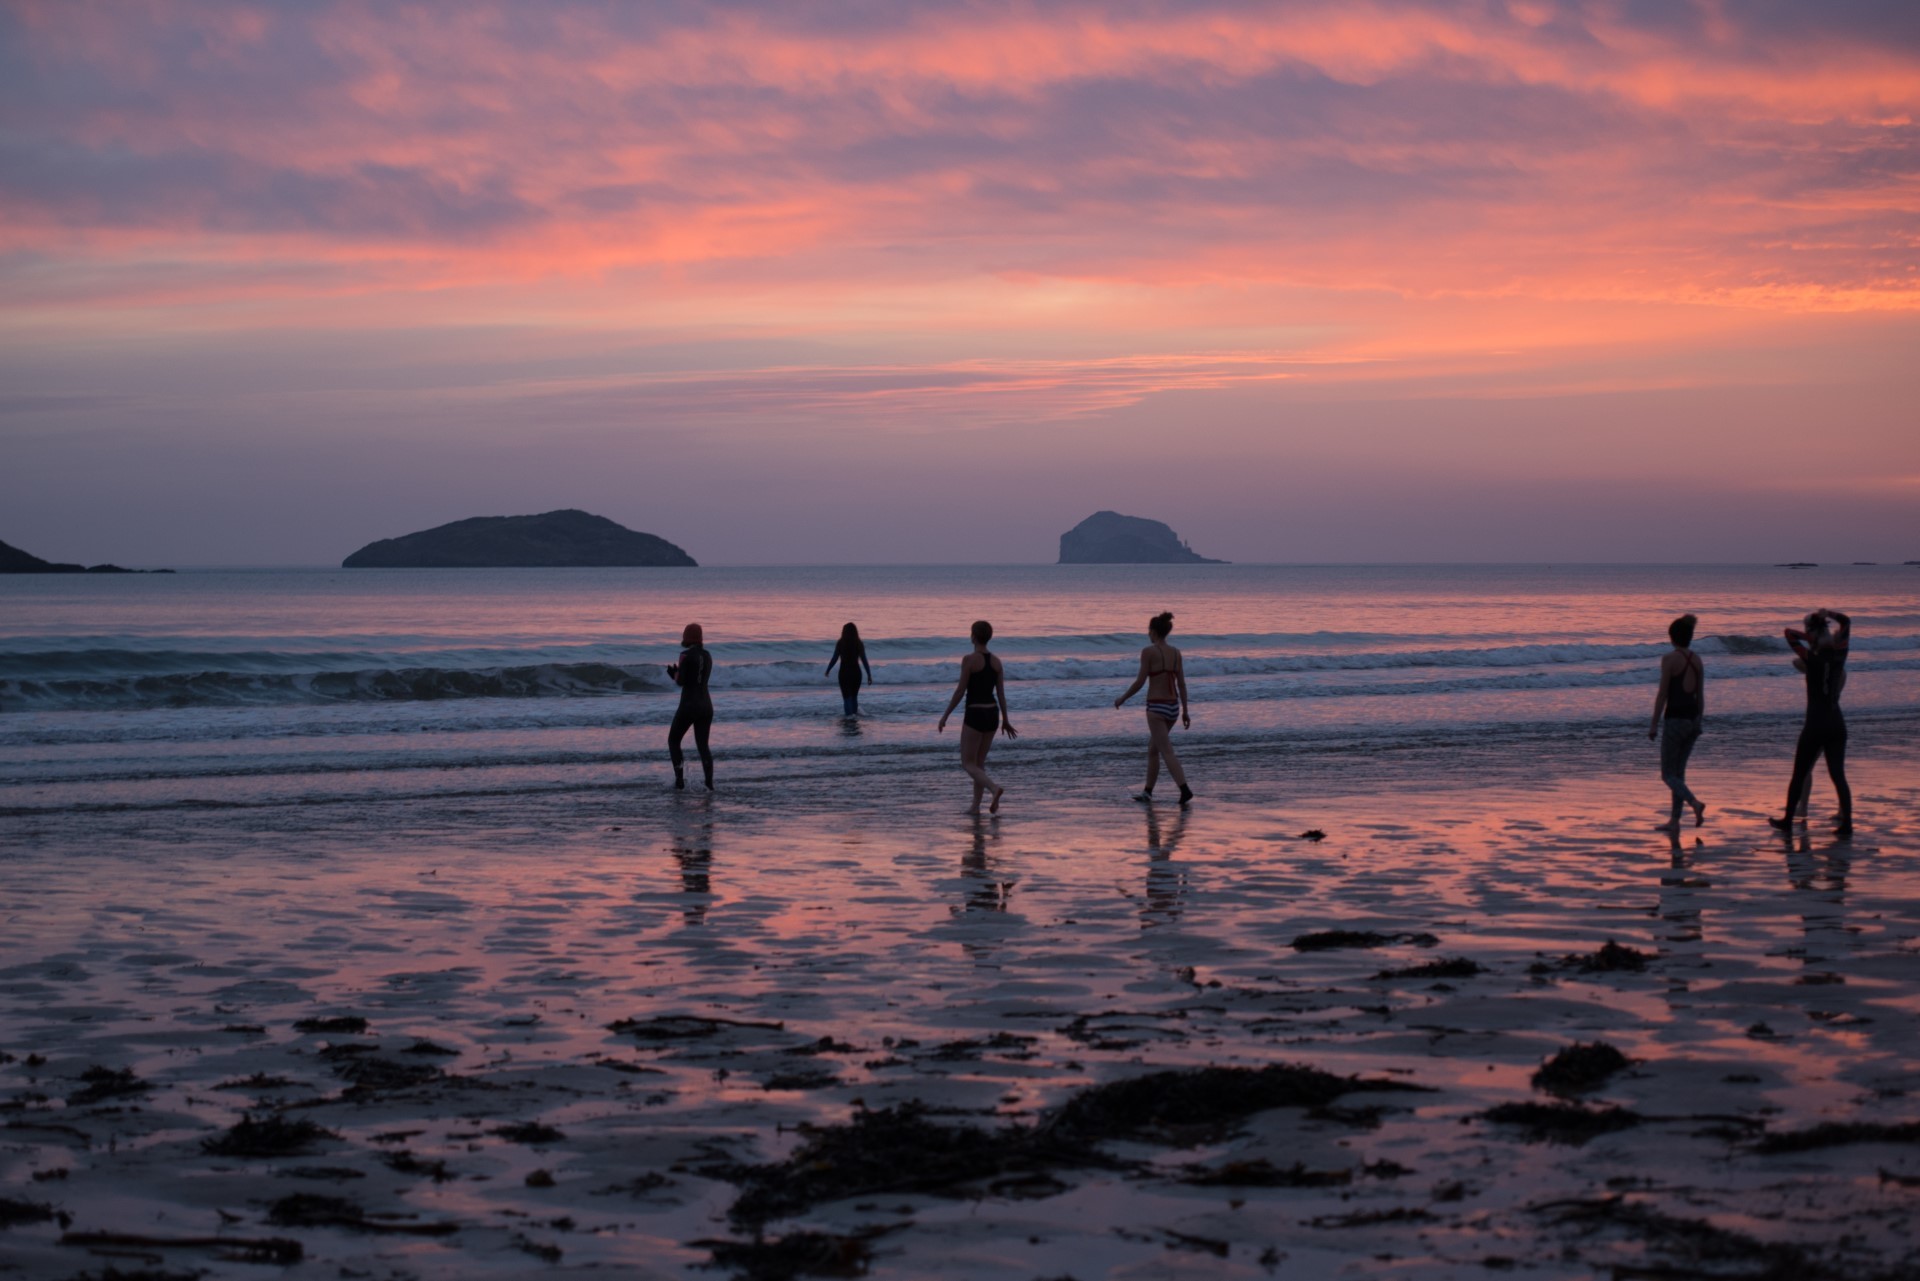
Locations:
(894, 1041)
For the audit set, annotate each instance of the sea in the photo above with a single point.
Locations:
(250, 702)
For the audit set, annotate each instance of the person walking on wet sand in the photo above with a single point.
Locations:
(696, 705)
(851, 654)
(1820, 652)
(1165, 676)
(983, 683)
(1677, 708)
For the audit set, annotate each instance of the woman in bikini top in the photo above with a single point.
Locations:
(1165, 677)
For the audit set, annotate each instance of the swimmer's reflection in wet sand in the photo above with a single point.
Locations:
(692, 850)
(986, 892)
(1166, 896)
(1819, 879)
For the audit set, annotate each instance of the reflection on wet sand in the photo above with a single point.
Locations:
(692, 850)
(1166, 879)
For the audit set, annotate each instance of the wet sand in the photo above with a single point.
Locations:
(582, 1047)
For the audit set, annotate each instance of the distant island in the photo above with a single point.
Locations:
(15, 561)
(562, 539)
(1108, 538)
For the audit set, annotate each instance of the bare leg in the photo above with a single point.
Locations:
(1163, 748)
(1153, 767)
(973, 759)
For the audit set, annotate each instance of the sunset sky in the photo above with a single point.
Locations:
(878, 282)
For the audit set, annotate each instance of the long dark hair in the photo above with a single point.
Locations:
(850, 633)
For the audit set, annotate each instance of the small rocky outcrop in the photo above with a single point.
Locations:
(15, 561)
(1108, 538)
(562, 539)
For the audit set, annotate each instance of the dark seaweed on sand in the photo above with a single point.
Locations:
(1611, 957)
(372, 1076)
(106, 1083)
(13, 1212)
(529, 1132)
(797, 1254)
(1563, 1122)
(271, 1135)
(900, 1150)
(1833, 1134)
(1453, 967)
(1580, 1067)
(231, 1249)
(1209, 1097)
(1329, 940)
(351, 1024)
(312, 1210)
(1699, 1249)
(1262, 1173)
(686, 1027)
(894, 1150)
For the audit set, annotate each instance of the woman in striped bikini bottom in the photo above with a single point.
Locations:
(1164, 674)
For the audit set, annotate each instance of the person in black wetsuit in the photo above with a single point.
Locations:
(851, 654)
(983, 684)
(1682, 698)
(1821, 653)
(696, 705)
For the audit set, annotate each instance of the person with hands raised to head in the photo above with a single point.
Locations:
(983, 684)
(1820, 653)
(1165, 675)
(696, 705)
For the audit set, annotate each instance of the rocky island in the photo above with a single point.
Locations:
(558, 539)
(15, 561)
(1108, 538)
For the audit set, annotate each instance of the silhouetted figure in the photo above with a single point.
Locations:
(983, 684)
(1165, 676)
(1678, 707)
(696, 706)
(851, 653)
(1821, 653)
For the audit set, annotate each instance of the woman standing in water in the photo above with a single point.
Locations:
(1821, 652)
(851, 654)
(1165, 677)
(1680, 703)
(696, 705)
(983, 684)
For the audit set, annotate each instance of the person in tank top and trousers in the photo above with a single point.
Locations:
(983, 685)
(1820, 653)
(1677, 711)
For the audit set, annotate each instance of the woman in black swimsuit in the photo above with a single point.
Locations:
(1677, 708)
(696, 705)
(851, 655)
(983, 684)
(1821, 653)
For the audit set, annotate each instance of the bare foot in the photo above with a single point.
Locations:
(1781, 824)
(1699, 814)
(998, 792)
(1667, 827)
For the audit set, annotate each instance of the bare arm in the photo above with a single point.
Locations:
(1660, 696)
(1000, 691)
(1138, 681)
(1844, 632)
(833, 660)
(959, 692)
(1180, 683)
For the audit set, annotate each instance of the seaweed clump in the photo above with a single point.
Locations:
(1453, 967)
(1833, 1134)
(1329, 940)
(1580, 1067)
(272, 1135)
(106, 1083)
(818, 1254)
(894, 1150)
(1611, 957)
(1160, 1103)
(1567, 1123)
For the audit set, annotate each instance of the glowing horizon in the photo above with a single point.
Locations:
(1331, 282)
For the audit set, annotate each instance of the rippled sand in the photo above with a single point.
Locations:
(787, 970)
